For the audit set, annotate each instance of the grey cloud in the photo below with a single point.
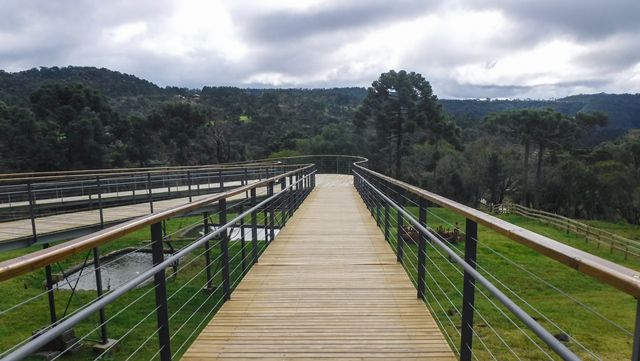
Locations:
(302, 44)
(584, 19)
(616, 54)
(282, 26)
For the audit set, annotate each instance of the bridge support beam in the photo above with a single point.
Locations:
(468, 292)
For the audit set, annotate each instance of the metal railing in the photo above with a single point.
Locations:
(34, 197)
(268, 203)
(479, 309)
(450, 279)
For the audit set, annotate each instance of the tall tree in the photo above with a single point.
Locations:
(402, 110)
(544, 128)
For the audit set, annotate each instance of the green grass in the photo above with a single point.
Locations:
(183, 287)
(444, 282)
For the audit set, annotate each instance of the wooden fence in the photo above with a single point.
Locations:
(600, 237)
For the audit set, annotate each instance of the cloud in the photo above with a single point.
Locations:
(466, 48)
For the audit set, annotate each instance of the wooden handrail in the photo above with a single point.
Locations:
(44, 176)
(35, 260)
(613, 274)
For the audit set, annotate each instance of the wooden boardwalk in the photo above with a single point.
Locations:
(327, 287)
(52, 224)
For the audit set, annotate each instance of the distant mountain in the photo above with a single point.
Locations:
(132, 94)
(15, 88)
(623, 109)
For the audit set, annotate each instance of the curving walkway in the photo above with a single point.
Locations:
(328, 287)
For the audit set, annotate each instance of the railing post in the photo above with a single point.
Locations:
(386, 221)
(468, 292)
(291, 197)
(399, 240)
(283, 207)
(270, 207)
(150, 192)
(254, 226)
(221, 180)
(98, 272)
(243, 253)
(104, 338)
(32, 212)
(50, 296)
(99, 185)
(224, 249)
(422, 248)
(189, 185)
(246, 181)
(162, 311)
(379, 212)
(207, 252)
(635, 356)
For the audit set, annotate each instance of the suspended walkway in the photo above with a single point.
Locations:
(328, 287)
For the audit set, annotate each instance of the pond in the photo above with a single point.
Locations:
(235, 233)
(116, 270)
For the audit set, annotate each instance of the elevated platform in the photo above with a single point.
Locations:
(328, 287)
(52, 228)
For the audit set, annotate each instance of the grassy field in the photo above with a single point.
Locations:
(132, 317)
(558, 297)
(525, 276)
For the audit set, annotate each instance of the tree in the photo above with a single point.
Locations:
(402, 110)
(546, 128)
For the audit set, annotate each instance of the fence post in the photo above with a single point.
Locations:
(422, 247)
(468, 292)
(254, 226)
(224, 249)
(162, 311)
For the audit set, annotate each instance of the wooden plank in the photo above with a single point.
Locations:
(329, 286)
(61, 222)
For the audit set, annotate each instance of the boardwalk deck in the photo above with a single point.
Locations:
(52, 224)
(327, 287)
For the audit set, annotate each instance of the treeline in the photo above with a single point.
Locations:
(63, 126)
(470, 150)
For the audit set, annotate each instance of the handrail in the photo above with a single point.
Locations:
(84, 174)
(531, 323)
(615, 275)
(35, 260)
(58, 329)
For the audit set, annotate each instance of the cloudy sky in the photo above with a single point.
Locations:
(466, 48)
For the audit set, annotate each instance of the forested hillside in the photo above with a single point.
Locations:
(469, 150)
